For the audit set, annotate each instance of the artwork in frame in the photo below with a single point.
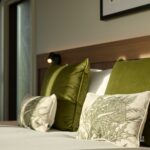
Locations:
(115, 8)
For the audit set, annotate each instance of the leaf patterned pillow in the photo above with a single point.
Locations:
(116, 118)
(38, 112)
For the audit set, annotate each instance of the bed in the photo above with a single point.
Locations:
(15, 137)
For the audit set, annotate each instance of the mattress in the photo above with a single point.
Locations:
(17, 138)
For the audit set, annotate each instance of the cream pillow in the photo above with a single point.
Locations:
(89, 100)
(117, 118)
(99, 80)
(38, 112)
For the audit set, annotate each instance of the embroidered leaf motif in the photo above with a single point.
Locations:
(115, 118)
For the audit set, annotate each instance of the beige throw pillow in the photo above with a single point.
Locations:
(38, 112)
(116, 118)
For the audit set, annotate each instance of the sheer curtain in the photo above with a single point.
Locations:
(24, 52)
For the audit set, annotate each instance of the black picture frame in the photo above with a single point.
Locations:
(119, 13)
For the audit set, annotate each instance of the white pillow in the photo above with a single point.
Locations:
(116, 118)
(38, 112)
(89, 100)
(99, 80)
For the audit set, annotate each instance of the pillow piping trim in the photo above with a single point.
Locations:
(74, 116)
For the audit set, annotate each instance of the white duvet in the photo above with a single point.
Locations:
(16, 138)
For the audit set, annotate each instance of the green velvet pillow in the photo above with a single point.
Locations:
(131, 76)
(70, 84)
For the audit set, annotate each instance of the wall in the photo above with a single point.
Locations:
(64, 24)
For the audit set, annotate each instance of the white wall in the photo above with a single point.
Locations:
(64, 24)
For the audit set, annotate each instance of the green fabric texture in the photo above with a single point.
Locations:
(49, 79)
(70, 84)
(131, 76)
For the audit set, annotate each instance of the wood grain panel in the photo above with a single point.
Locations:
(107, 52)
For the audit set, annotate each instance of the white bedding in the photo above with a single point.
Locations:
(16, 138)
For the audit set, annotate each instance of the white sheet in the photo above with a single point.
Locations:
(16, 138)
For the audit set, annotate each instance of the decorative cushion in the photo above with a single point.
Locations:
(116, 118)
(131, 77)
(38, 112)
(50, 78)
(99, 80)
(89, 100)
(70, 87)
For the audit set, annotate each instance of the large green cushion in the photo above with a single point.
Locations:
(70, 84)
(131, 77)
(49, 79)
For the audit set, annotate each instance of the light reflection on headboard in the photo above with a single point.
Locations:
(101, 56)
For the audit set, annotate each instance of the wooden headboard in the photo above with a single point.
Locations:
(101, 56)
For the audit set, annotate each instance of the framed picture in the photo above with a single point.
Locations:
(114, 8)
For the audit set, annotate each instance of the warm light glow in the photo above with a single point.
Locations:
(121, 58)
(49, 60)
